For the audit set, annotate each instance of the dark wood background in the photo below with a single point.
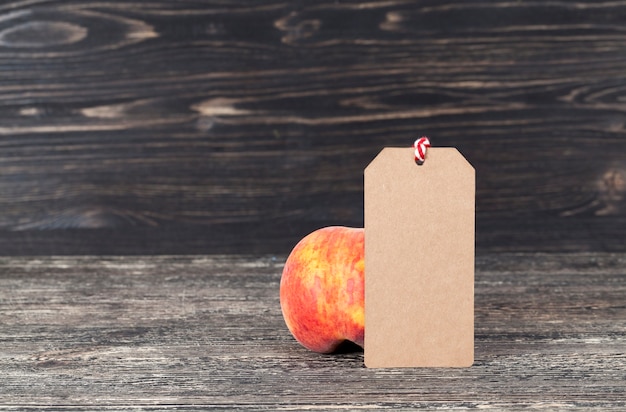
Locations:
(239, 126)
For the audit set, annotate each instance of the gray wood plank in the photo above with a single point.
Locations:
(167, 115)
(198, 332)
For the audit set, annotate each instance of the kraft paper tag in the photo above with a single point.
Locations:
(419, 260)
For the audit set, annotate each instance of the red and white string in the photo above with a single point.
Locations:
(420, 146)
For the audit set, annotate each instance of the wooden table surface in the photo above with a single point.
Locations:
(198, 332)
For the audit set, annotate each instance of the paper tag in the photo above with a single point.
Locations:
(419, 260)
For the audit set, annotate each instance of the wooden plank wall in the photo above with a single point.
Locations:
(238, 126)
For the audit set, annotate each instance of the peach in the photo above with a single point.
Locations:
(322, 289)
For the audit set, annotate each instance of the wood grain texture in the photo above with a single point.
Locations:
(165, 116)
(166, 333)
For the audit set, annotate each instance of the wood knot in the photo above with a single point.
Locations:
(59, 32)
(297, 29)
(38, 34)
(392, 21)
(611, 191)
